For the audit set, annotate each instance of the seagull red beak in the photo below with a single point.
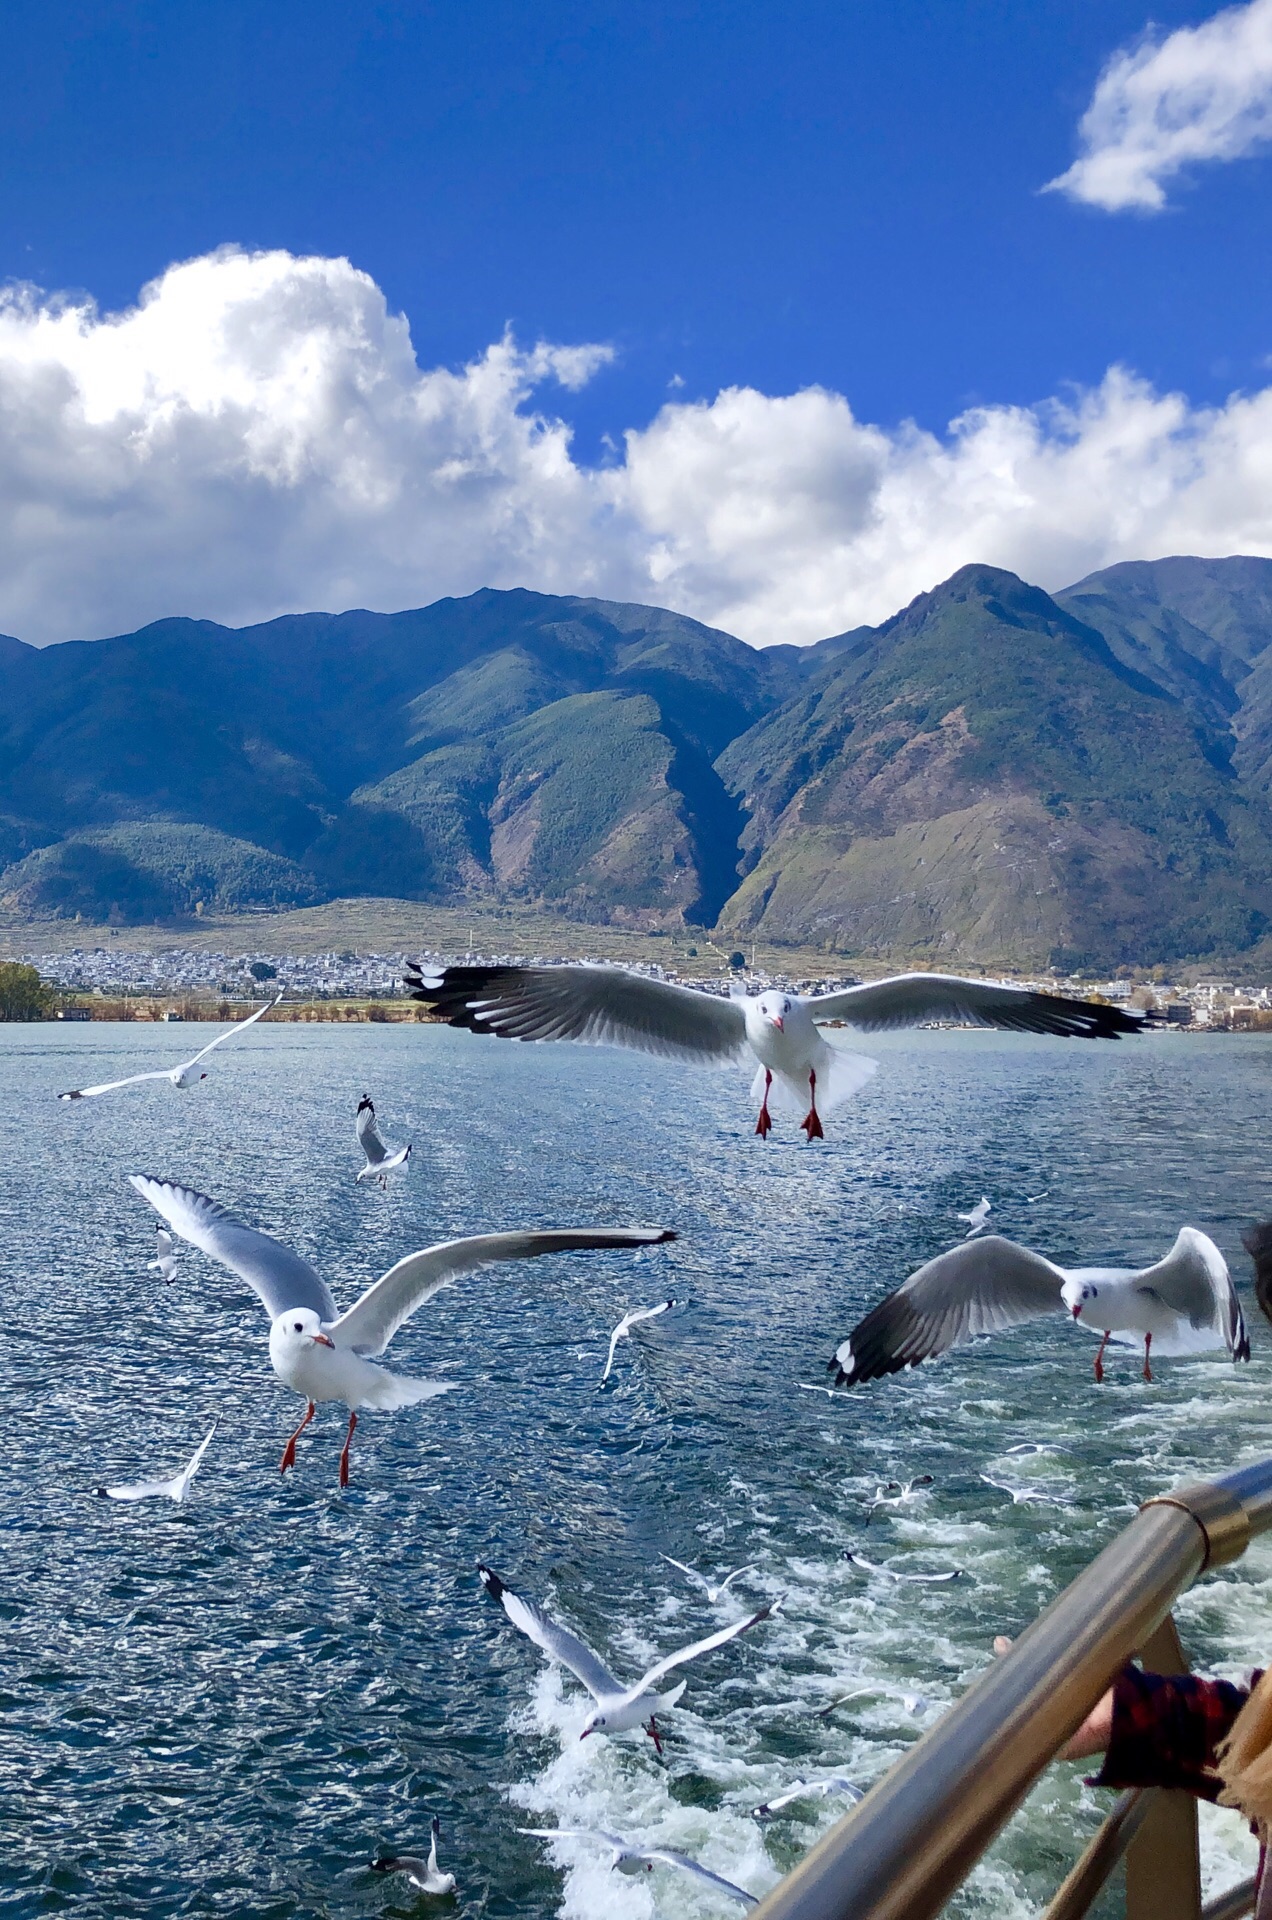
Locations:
(321, 1340)
(778, 1022)
(586, 1731)
(1077, 1312)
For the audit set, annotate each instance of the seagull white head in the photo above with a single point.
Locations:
(595, 1723)
(295, 1332)
(774, 1007)
(1079, 1295)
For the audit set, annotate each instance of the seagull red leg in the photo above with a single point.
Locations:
(1099, 1361)
(289, 1451)
(1148, 1341)
(811, 1122)
(344, 1451)
(764, 1125)
(652, 1730)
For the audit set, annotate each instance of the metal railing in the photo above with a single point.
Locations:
(905, 1848)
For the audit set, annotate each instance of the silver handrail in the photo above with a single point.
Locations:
(903, 1850)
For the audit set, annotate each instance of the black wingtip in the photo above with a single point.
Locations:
(384, 1865)
(490, 1580)
(664, 1235)
(366, 1103)
(101, 1493)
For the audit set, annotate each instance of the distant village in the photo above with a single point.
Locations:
(181, 975)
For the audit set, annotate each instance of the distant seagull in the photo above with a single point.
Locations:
(323, 1354)
(379, 1161)
(174, 1489)
(624, 1328)
(618, 1708)
(888, 1573)
(1257, 1241)
(1032, 1199)
(897, 1493)
(715, 1591)
(182, 1077)
(422, 1874)
(1185, 1302)
(1024, 1496)
(909, 1702)
(830, 1393)
(976, 1219)
(808, 1790)
(632, 1859)
(609, 1006)
(164, 1262)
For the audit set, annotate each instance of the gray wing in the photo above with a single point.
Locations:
(668, 1857)
(553, 1639)
(368, 1327)
(229, 1034)
(1194, 1282)
(908, 999)
(280, 1277)
(602, 1006)
(981, 1287)
(684, 1655)
(369, 1134)
(109, 1086)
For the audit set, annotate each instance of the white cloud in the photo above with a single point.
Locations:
(1202, 93)
(256, 437)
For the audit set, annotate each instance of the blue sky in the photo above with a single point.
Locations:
(770, 197)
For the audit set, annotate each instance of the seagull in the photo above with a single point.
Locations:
(910, 1702)
(624, 1328)
(603, 1005)
(632, 1859)
(921, 1579)
(976, 1218)
(174, 1489)
(1185, 1302)
(422, 1874)
(1023, 1496)
(618, 1708)
(380, 1162)
(714, 1592)
(807, 1790)
(1032, 1199)
(182, 1077)
(896, 1494)
(323, 1354)
(164, 1262)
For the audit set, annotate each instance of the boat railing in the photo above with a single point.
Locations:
(903, 1851)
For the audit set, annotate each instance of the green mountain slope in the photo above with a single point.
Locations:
(983, 776)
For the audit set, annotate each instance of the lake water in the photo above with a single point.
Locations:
(228, 1708)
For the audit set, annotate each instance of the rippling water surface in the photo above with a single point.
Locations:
(227, 1708)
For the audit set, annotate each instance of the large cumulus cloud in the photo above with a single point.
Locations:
(255, 436)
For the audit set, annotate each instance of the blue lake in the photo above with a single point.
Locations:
(228, 1708)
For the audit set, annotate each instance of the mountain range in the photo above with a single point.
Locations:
(994, 774)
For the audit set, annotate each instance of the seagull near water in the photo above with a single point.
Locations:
(164, 1262)
(714, 1590)
(890, 1573)
(632, 1859)
(379, 1161)
(425, 1875)
(323, 1354)
(174, 1489)
(618, 1708)
(183, 1077)
(975, 1220)
(808, 1790)
(623, 1331)
(1185, 1302)
(607, 1006)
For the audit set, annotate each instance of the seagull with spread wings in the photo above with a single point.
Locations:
(631, 1859)
(607, 1006)
(379, 1161)
(623, 1331)
(175, 1488)
(1185, 1303)
(182, 1077)
(323, 1354)
(618, 1708)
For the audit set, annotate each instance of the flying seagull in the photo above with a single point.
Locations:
(632, 1859)
(976, 1219)
(379, 1161)
(624, 1328)
(323, 1354)
(897, 1493)
(607, 1006)
(714, 1590)
(1185, 1303)
(808, 1790)
(618, 1708)
(174, 1489)
(422, 1874)
(164, 1262)
(919, 1579)
(182, 1077)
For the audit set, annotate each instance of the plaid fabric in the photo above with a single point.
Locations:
(1166, 1728)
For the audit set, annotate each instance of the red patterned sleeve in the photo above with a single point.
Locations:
(1166, 1728)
